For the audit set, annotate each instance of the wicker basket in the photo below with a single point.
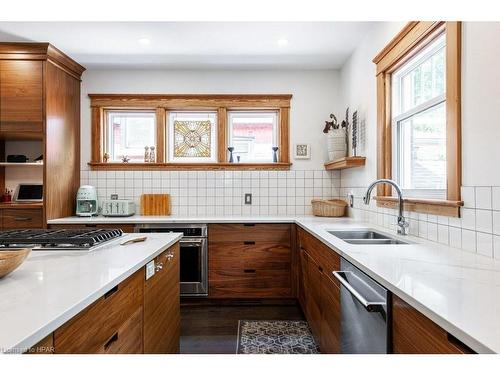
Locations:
(330, 208)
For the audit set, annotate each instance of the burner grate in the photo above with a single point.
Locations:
(54, 238)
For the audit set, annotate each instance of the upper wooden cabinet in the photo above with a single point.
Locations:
(40, 99)
(21, 96)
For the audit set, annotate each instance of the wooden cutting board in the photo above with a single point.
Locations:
(155, 204)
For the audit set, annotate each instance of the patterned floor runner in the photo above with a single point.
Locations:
(275, 337)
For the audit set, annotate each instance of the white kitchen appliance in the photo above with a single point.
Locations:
(86, 201)
(117, 207)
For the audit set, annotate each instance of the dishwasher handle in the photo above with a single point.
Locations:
(369, 306)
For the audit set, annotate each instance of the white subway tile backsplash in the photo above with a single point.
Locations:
(483, 197)
(484, 221)
(468, 218)
(468, 196)
(485, 244)
(468, 240)
(455, 235)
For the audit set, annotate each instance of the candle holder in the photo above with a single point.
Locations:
(275, 154)
(231, 149)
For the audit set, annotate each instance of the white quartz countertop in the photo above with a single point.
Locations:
(458, 290)
(51, 287)
(138, 219)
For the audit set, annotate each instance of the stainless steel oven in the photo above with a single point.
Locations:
(193, 255)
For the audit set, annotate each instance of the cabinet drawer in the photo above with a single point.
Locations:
(249, 254)
(22, 218)
(278, 233)
(128, 338)
(414, 333)
(249, 283)
(91, 330)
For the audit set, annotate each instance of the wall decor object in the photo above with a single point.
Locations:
(146, 154)
(152, 154)
(231, 159)
(354, 132)
(192, 139)
(336, 140)
(302, 151)
(275, 154)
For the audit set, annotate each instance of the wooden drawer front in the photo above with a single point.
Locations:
(248, 284)
(126, 228)
(22, 218)
(249, 255)
(414, 333)
(128, 338)
(327, 258)
(330, 317)
(277, 233)
(92, 329)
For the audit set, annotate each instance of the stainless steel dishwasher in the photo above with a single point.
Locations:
(365, 327)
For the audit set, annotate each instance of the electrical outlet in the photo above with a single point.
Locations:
(150, 269)
(350, 199)
(248, 198)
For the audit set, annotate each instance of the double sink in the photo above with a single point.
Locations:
(365, 237)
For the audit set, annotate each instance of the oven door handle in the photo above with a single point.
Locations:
(191, 243)
(369, 306)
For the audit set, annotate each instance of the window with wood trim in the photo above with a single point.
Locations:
(190, 131)
(418, 116)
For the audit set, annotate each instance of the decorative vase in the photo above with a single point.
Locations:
(152, 155)
(231, 149)
(275, 154)
(146, 154)
(336, 141)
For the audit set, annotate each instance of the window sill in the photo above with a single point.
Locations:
(427, 206)
(190, 166)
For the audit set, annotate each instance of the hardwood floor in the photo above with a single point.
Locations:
(213, 329)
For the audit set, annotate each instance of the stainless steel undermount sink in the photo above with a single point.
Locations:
(366, 237)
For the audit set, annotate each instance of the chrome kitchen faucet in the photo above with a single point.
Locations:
(402, 223)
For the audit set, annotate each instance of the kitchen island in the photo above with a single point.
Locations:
(52, 287)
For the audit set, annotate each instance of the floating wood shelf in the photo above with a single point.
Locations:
(347, 162)
(7, 164)
(190, 166)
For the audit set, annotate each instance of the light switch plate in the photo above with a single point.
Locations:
(150, 269)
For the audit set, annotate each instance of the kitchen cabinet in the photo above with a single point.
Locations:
(104, 326)
(414, 333)
(21, 96)
(319, 291)
(250, 261)
(22, 218)
(162, 305)
(136, 316)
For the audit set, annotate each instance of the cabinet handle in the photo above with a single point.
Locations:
(18, 218)
(248, 225)
(249, 242)
(110, 292)
(249, 271)
(110, 341)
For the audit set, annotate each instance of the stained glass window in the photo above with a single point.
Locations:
(192, 137)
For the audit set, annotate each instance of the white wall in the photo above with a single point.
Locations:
(315, 96)
(480, 103)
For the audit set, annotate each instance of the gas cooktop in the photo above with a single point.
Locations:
(58, 239)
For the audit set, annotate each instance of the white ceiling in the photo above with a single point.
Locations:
(197, 45)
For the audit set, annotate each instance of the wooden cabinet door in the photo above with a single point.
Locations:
(330, 316)
(21, 96)
(162, 305)
(414, 333)
(313, 303)
(303, 287)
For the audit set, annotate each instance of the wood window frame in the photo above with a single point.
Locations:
(162, 104)
(407, 43)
